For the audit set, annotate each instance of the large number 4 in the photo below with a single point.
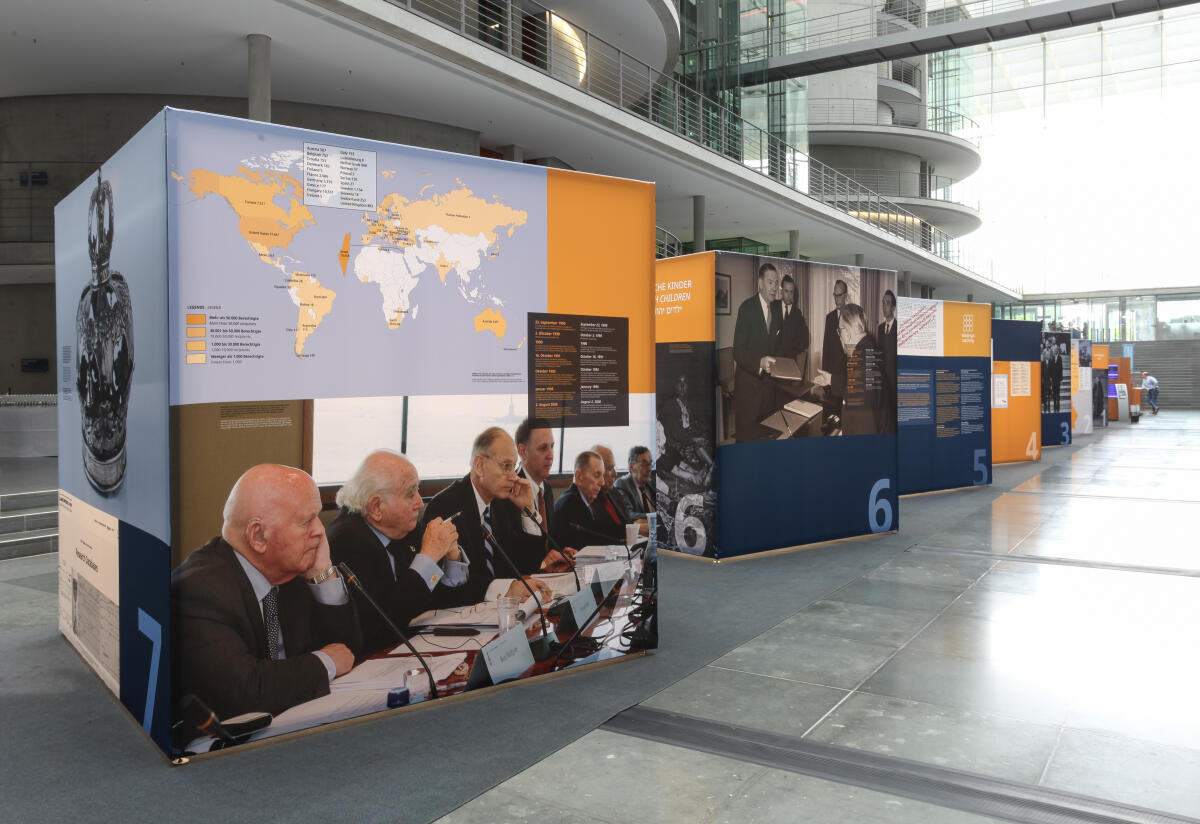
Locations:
(979, 467)
(1066, 433)
(879, 510)
(1031, 450)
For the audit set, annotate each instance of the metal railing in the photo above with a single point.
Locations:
(28, 192)
(530, 33)
(902, 72)
(666, 244)
(880, 18)
(892, 183)
(829, 111)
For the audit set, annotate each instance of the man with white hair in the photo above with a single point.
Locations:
(262, 621)
(861, 401)
(399, 563)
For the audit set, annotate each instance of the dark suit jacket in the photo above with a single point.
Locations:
(627, 489)
(833, 356)
(402, 597)
(753, 394)
(548, 495)
(887, 393)
(571, 508)
(527, 551)
(220, 651)
(793, 334)
(600, 510)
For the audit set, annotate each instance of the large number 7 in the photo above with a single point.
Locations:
(153, 630)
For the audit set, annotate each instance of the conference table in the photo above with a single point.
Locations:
(612, 603)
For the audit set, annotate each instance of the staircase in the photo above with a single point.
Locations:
(28, 523)
(1176, 364)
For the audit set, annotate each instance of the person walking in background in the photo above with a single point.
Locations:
(1150, 387)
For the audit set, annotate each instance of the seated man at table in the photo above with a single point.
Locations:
(377, 536)
(575, 521)
(535, 446)
(634, 486)
(262, 621)
(609, 506)
(486, 505)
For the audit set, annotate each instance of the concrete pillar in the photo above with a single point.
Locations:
(970, 297)
(794, 244)
(858, 259)
(698, 223)
(905, 284)
(259, 77)
(513, 152)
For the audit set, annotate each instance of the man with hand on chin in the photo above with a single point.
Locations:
(262, 619)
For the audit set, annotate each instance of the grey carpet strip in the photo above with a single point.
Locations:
(944, 787)
(1056, 561)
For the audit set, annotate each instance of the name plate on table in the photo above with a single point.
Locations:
(583, 604)
(607, 572)
(508, 656)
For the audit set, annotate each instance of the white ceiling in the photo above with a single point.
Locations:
(369, 54)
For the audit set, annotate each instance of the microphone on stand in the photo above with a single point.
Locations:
(548, 645)
(545, 534)
(352, 580)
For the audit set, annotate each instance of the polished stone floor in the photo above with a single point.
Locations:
(1049, 638)
(1042, 634)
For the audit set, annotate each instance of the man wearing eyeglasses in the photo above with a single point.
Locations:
(488, 502)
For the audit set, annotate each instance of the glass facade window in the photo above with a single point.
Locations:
(1121, 318)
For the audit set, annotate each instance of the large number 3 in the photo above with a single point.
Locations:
(879, 510)
(1066, 433)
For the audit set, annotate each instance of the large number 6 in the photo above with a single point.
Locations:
(153, 630)
(879, 506)
(980, 467)
(684, 521)
(1066, 433)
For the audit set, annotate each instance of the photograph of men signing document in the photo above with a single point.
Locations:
(813, 348)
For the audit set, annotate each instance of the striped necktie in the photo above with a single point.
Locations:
(488, 544)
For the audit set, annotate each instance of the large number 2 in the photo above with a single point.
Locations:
(877, 507)
(153, 630)
(1066, 433)
(980, 467)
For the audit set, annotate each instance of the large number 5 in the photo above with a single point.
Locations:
(879, 510)
(980, 467)
(153, 630)
(1066, 433)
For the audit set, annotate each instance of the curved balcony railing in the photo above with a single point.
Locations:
(878, 18)
(842, 111)
(892, 183)
(666, 244)
(901, 72)
(534, 36)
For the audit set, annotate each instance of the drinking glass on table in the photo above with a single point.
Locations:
(506, 612)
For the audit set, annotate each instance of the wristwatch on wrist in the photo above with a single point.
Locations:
(324, 576)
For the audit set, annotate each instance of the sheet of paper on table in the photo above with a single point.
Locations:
(561, 583)
(385, 673)
(593, 554)
(800, 407)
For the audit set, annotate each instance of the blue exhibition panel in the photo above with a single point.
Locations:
(944, 421)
